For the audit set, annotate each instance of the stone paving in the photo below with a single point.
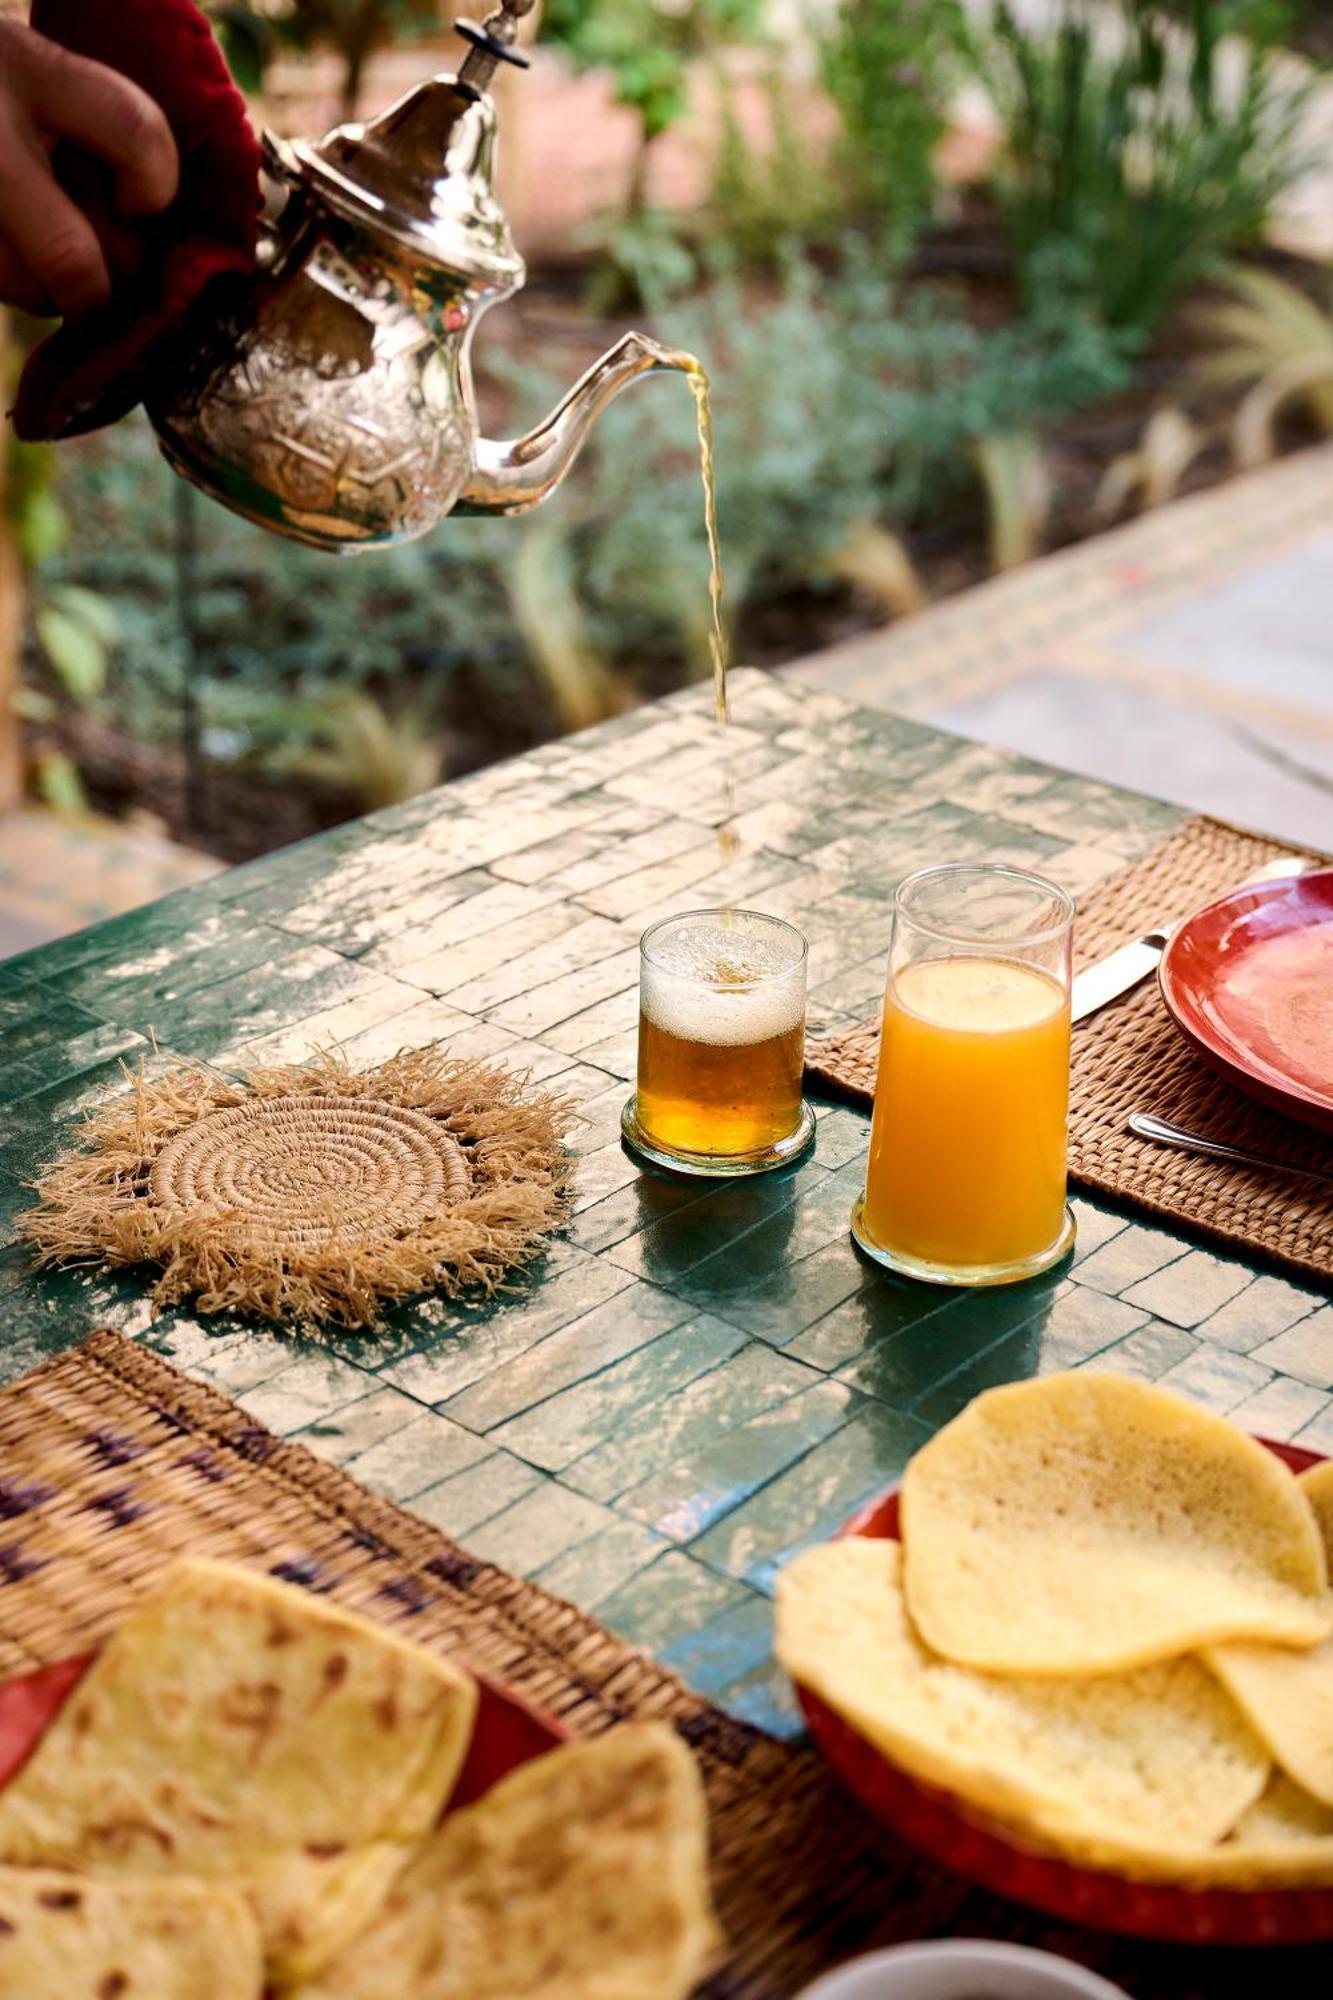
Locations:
(1189, 654)
(695, 1380)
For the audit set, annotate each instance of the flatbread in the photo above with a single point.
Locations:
(241, 1730)
(1287, 1696)
(1159, 1752)
(1284, 1841)
(1317, 1486)
(1086, 1523)
(580, 1876)
(63, 1937)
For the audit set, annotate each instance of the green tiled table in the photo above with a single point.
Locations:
(695, 1380)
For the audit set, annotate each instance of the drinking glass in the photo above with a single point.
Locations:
(721, 1044)
(966, 1179)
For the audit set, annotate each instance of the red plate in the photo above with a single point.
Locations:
(940, 1826)
(1249, 980)
(508, 1731)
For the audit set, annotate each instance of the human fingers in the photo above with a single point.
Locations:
(103, 112)
(45, 233)
(19, 288)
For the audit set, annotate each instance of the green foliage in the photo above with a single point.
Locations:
(838, 404)
(890, 66)
(767, 202)
(348, 740)
(1125, 139)
(252, 33)
(646, 46)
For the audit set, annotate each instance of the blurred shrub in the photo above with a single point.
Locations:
(1133, 139)
(890, 67)
(847, 412)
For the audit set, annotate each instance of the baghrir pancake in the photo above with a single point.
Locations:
(1087, 1523)
(1160, 1751)
(1139, 1525)
(1286, 1696)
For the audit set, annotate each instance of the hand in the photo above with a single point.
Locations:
(51, 260)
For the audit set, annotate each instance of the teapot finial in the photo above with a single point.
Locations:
(492, 42)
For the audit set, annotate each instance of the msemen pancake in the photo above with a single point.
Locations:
(580, 1876)
(239, 1730)
(63, 1937)
(1086, 1523)
(1159, 1753)
(1288, 1696)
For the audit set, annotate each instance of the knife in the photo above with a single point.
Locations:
(1122, 970)
(1104, 982)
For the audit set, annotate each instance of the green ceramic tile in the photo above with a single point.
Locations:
(1080, 1322)
(1131, 1255)
(545, 1524)
(607, 1334)
(765, 1698)
(304, 1390)
(541, 1306)
(462, 1504)
(1267, 1307)
(300, 981)
(721, 1650)
(688, 1495)
(1304, 1350)
(678, 1241)
(56, 1040)
(1095, 1224)
(1217, 1378)
(574, 1422)
(667, 1598)
(603, 1564)
(1188, 1290)
(1147, 1353)
(904, 1368)
(698, 1413)
(628, 1209)
(418, 1454)
(1280, 1409)
(136, 987)
(811, 1501)
(883, 1308)
(1317, 1435)
(339, 1435)
(788, 1271)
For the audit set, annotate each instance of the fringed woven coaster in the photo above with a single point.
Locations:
(312, 1192)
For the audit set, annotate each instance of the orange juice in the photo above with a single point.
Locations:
(967, 1146)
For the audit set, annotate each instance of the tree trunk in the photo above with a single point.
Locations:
(11, 618)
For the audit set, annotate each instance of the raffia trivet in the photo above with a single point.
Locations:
(311, 1192)
(1130, 1057)
(112, 1463)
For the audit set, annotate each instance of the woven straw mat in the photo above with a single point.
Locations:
(1130, 1057)
(112, 1463)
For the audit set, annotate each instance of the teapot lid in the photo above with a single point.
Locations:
(422, 173)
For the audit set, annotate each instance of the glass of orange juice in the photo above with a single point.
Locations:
(965, 1183)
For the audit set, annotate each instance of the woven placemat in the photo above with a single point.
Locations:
(1130, 1057)
(112, 1463)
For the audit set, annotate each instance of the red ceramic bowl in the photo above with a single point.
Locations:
(1249, 980)
(941, 1826)
(509, 1731)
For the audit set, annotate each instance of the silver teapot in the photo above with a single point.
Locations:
(329, 396)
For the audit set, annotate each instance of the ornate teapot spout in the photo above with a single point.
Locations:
(511, 476)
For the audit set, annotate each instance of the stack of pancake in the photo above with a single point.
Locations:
(244, 1794)
(1105, 1632)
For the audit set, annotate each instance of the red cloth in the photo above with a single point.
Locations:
(95, 367)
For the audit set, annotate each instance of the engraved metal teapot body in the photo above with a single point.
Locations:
(329, 395)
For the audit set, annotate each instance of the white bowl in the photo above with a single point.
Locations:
(961, 1969)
